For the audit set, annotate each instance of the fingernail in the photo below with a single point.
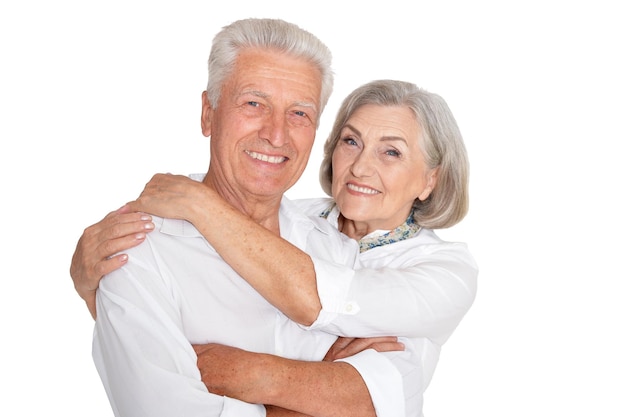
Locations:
(146, 217)
(140, 236)
(148, 226)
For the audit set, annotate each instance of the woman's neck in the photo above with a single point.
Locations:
(352, 229)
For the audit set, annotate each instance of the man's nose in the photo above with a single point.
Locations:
(275, 129)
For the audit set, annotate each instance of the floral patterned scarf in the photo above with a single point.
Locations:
(406, 230)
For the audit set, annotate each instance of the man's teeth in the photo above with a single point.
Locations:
(363, 190)
(267, 158)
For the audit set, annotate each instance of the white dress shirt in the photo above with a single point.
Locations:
(176, 290)
(419, 289)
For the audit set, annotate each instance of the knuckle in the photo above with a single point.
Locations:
(109, 248)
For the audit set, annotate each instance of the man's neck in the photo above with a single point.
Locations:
(262, 209)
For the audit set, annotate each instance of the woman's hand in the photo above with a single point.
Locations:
(95, 254)
(348, 346)
(273, 411)
(171, 196)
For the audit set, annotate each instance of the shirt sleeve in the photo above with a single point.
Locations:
(394, 380)
(427, 295)
(147, 366)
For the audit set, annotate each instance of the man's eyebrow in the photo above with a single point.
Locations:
(256, 93)
(308, 104)
(261, 94)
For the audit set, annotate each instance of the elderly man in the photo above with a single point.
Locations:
(268, 84)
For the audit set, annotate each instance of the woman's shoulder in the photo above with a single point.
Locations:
(426, 244)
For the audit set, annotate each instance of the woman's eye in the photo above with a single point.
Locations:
(392, 152)
(349, 141)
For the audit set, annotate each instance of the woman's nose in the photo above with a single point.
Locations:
(363, 165)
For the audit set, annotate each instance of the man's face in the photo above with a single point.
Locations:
(264, 126)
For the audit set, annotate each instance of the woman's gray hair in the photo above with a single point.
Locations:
(440, 140)
(273, 34)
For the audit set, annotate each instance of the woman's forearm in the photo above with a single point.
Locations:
(279, 271)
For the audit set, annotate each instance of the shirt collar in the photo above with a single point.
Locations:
(294, 223)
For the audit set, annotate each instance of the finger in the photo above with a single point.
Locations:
(135, 225)
(114, 225)
(201, 349)
(119, 225)
(379, 347)
(95, 253)
(123, 209)
(387, 346)
(338, 346)
(342, 342)
(359, 345)
(107, 266)
(362, 343)
(112, 248)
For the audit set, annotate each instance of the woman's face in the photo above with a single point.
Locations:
(379, 168)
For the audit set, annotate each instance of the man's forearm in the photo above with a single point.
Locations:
(320, 389)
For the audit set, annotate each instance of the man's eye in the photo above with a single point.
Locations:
(254, 103)
(299, 118)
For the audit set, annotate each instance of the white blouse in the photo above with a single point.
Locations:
(419, 289)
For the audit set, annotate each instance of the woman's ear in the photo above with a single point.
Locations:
(431, 183)
(207, 113)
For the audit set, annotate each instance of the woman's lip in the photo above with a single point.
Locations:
(361, 189)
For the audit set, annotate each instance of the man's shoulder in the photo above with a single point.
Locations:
(173, 227)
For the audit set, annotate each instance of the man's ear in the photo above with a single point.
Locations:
(207, 113)
(431, 183)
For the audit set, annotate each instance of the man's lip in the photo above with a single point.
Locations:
(271, 159)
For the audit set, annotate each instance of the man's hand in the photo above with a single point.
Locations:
(97, 251)
(348, 346)
(232, 372)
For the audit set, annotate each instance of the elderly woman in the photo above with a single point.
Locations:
(396, 168)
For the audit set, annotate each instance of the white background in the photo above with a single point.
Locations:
(96, 96)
